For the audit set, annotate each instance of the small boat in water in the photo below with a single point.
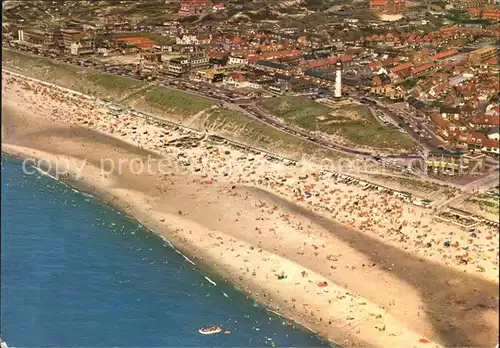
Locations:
(3, 344)
(208, 330)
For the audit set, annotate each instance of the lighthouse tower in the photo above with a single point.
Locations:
(338, 80)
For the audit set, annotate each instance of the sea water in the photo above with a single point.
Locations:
(77, 273)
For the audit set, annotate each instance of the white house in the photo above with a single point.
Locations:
(237, 61)
(78, 49)
(103, 50)
(186, 40)
(239, 81)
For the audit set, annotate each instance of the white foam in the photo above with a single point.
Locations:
(87, 195)
(188, 260)
(43, 172)
(210, 281)
(165, 239)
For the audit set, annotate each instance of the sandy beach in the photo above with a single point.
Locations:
(361, 268)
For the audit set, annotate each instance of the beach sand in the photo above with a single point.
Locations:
(246, 220)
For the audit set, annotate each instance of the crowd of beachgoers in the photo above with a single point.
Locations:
(389, 218)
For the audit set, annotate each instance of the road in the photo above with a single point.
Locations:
(234, 101)
(429, 144)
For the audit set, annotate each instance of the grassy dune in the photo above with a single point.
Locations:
(352, 122)
(241, 128)
(177, 101)
(183, 107)
(70, 76)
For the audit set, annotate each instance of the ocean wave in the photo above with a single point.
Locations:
(88, 195)
(210, 281)
(188, 260)
(165, 239)
(44, 173)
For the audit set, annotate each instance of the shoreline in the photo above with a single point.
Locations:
(280, 245)
(199, 264)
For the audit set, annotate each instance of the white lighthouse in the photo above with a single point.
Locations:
(338, 80)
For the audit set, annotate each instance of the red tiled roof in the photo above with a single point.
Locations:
(445, 54)
(421, 68)
(144, 45)
(322, 62)
(252, 58)
(492, 143)
(374, 65)
(439, 121)
(238, 77)
(441, 87)
(402, 67)
(492, 61)
(345, 58)
(135, 40)
(486, 120)
(492, 14)
(476, 138)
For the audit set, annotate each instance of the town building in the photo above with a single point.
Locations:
(471, 3)
(33, 36)
(237, 60)
(210, 75)
(195, 8)
(178, 67)
(82, 47)
(198, 60)
(70, 36)
(390, 7)
(238, 80)
(483, 54)
(442, 161)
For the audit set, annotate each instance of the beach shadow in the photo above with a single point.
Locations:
(456, 311)
(84, 134)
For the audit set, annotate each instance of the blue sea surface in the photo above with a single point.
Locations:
(77, 273)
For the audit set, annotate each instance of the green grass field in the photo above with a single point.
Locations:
(299, 111)
(35, 65)
(110, 82)
(70, 76)
(177, 101)
(239, 127)
(366, 131)
(352, 122)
